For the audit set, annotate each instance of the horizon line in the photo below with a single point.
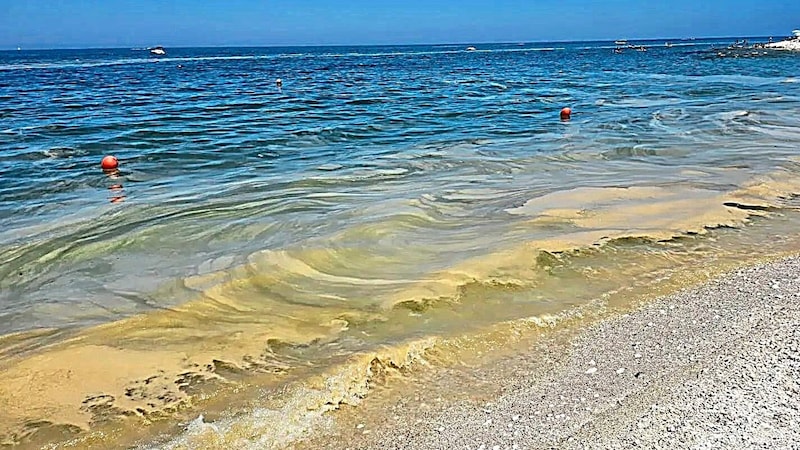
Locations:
(559, 41)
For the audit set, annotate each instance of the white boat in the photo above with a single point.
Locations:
(621, 42)
(471, 49)
(158, 51)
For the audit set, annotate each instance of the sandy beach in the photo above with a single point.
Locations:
(715, 366)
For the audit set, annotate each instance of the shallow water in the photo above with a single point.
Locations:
(380, 198)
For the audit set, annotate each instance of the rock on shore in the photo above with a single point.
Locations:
(789, 44)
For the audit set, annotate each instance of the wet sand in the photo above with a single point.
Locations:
(715, 366)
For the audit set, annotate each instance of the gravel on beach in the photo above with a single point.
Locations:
(714, 366)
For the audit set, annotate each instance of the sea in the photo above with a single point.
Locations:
(267, 254)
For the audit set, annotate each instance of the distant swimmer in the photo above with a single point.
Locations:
(279, 82)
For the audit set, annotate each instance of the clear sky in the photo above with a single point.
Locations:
(132, 23)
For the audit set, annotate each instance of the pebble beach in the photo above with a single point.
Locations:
(714, 366)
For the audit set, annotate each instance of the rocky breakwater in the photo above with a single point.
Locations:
(789, 44)
(792, 43)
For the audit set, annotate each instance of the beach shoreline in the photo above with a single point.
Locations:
(712, 366)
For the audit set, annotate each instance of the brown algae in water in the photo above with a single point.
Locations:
(150, 366)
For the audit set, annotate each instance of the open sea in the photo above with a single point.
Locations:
(267, 254)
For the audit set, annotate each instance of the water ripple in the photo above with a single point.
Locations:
(437, 142)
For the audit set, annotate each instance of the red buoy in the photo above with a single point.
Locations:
(109, 163)
(566, 113)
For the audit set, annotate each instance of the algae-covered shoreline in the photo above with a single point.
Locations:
(243, 410)
(714, 366)
(286, 328)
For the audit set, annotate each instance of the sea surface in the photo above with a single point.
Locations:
(265, 253)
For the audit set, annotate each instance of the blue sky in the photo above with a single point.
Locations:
(130, 23)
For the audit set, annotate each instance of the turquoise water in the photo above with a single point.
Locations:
(373, 177)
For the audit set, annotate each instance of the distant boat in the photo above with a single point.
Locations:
(667, 44)
(471, 49)
(621, 42)
(158, 51)
(19, 48)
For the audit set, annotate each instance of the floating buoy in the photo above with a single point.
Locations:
(566, 113)
(109, 163)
